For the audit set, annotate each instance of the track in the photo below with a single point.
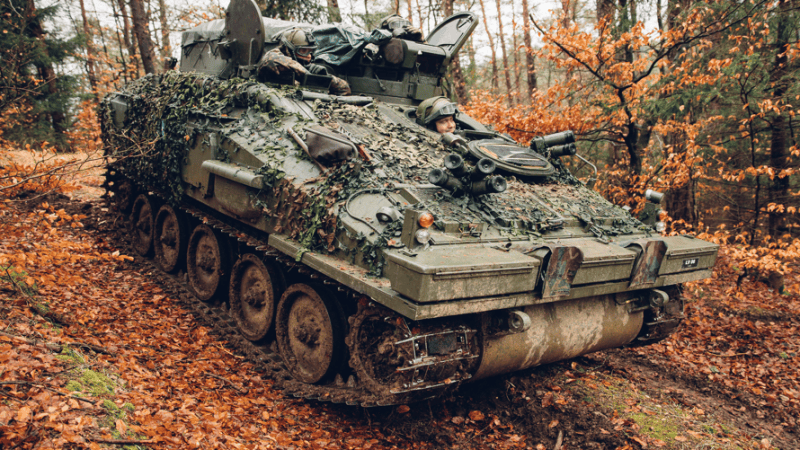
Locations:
(345, 386)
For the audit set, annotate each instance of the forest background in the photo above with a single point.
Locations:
(691, 98)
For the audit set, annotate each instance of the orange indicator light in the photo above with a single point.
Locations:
(426, 220)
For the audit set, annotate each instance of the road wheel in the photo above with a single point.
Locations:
(170, 239)
(207, 263)
(142, 224)
(254, 291)
(310, 329)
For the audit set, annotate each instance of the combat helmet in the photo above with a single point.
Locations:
(401, 28)
(433, 109)
(298, 44)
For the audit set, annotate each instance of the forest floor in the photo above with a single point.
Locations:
(114, 360)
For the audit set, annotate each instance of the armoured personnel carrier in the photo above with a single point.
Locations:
(383, 262)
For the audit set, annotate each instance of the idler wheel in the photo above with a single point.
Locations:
(142, 220)
(374, 357)
(207, 261)
(310, 332)
(170, 239)
(254, 292)
(393, 357)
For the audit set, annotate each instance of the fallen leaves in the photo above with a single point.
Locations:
(476, 416)
(741, 339)
(23, 414)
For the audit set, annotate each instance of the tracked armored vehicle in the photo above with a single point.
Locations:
(384, 263)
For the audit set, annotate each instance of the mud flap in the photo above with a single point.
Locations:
(563, 264)
(648, 264)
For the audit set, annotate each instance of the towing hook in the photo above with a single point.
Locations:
(658, 298)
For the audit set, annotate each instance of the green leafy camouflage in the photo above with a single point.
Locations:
(400, 153)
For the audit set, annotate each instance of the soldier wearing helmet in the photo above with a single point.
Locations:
(295, 42)
(401, 28)
(437, 113)
(291, 59)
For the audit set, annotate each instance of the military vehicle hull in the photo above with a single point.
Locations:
(311, 219)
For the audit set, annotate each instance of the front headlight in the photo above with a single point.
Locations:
(423, 236)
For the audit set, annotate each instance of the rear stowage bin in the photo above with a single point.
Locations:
(449, 273)
(686, 254)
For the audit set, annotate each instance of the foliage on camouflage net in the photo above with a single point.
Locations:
(400, 153)
(404, 153)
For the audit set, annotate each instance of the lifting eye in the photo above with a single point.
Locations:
(387, 214)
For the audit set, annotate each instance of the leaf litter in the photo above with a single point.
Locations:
(139, 368)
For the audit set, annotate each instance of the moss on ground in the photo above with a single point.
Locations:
(97, 383)
(85, 382)
(69, 355)
(668, 424)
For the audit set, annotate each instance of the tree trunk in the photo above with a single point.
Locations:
(48, 76)
(148, 13)
(459, 84)
(411, 12)
(605, 8)
(491, 44)
(126, 30)
(121, 42)
(505, 54)
(419, 14)
(779, 187)
(515, 46)
(530, 62)
(632, 7)
(681, 203)
(166, 48)
(631, 138)
(130, 42)
(566, 8)
(623, 26)
(142, 31)
(334, 13)
(89, 52)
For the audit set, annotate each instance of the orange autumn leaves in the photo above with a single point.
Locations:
(675, 109)
(35, 252)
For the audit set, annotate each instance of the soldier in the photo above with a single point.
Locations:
(289, 59)
(437, 113)
(401, 28)
(295, 43)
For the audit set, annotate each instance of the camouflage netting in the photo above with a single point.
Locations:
(153, 142)
(402, 152)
